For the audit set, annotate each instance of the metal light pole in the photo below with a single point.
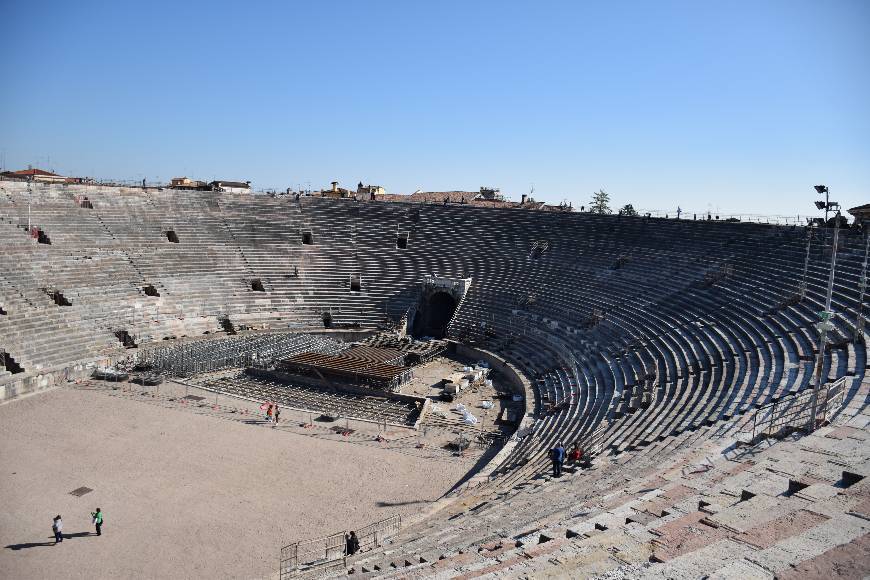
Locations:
(827, 205)
(29, 200)
(806, 262)
(859, 320)
(823, 326)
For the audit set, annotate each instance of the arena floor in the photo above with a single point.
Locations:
(186, 492)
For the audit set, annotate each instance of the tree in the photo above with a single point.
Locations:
(627, 209)
(600, 202)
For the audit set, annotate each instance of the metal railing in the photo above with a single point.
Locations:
(373, 535)
(792, 413)
(726, 216)
(310, 557)
(300, 557)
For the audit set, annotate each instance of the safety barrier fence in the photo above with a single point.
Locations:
(373, 535)
(794, 412)
(311, 557)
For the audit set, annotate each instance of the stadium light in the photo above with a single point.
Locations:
(826, 205)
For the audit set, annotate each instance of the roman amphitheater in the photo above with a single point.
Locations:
(426, 358)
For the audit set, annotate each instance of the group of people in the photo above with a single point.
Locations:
(57, 525)
(558, 456)
(273, 413)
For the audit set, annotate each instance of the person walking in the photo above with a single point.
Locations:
(57, 528)
(352, 543)
(269, 411)
(97, 518)
(557, 454)
(277, 414)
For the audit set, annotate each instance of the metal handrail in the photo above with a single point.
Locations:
(308, 555)
(795, 411)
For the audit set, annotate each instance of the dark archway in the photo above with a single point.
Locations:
(435, 315)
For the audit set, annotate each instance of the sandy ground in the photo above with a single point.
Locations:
(186, 493)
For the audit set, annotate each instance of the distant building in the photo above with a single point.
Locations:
(231, 186)
(335, 191)
(861, 213)
(485, 194)
(486, 197)
(186, 183)
(490, 194)
(443, 196)
(369, 191)
(35, 175)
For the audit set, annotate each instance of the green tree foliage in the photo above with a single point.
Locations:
(600, 202)
(627, 209)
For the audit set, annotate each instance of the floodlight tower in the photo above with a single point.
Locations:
(827, 205)
(825, 315)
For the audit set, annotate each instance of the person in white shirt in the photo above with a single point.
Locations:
(57, 528)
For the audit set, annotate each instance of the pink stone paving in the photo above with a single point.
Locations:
(545, 548)
(494, 568)
(685, 535)
(846, 431)
(847, 562)
(786, 526)
(731, 471)
(863, 508)
(666, 501)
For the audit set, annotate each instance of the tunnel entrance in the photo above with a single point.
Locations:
(434, 315)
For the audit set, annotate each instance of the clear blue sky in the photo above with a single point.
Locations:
(742, 106)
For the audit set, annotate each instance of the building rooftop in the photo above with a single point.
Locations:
(232, 183)
(31, 172)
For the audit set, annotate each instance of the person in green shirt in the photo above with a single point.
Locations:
(97, 517)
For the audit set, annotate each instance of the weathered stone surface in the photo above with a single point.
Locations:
(845, 562)
(779, 528)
